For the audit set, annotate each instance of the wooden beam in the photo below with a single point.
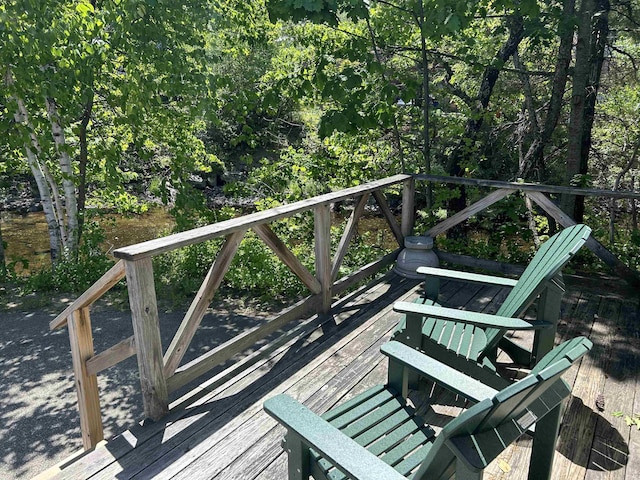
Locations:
(237, 344)
(471, 210)
(94, 292)
(364, 272)
(391, 220)
(628, 274)
(287, 257)
(160, 245)
(528, 187)
(81, 340)
(349, 232)
(473, 262)
(408, 207)
(322, 230)
(201, 302)
(112, 356)
(146, 330)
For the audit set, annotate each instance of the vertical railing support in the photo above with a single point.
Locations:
(408, 207)
(81, 340)
(322, 230)
(146, 330)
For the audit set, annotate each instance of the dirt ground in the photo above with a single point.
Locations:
(39, 424)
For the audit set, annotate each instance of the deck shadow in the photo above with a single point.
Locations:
(609, 450)
(214, 415)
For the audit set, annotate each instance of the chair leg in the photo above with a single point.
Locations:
(544, 444)
(432, 288)
(298, 452)
(411, 336)
(398, 377)
(549, 305)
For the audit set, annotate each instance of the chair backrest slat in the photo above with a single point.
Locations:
(545, 265)
(483, 431)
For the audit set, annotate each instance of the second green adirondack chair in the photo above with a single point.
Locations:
(468, 341)
(378, 436)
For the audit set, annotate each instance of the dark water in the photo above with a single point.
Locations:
(26, 236)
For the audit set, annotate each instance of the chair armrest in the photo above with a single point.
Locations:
(466, 276)
(438, 372)
(353, 459)
(473, 318)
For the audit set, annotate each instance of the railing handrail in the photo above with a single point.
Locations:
(161, 372)
(157, 246)
(528, 187)
(93, 293)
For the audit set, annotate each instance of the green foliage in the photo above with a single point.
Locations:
(256, 271)
(319, 11)
(631, 420)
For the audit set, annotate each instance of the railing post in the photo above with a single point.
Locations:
(146, 330)
(81, 340)
(408, 207)
(322, 230)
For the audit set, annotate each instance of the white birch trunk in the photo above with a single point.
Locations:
(57, 203)
(53, 221)
(71, 200)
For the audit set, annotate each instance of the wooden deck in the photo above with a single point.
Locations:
(220, 431)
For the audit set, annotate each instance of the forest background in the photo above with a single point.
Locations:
(114, 105)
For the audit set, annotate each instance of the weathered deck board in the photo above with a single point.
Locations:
(220, 431)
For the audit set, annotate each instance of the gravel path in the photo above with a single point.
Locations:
(39, 424)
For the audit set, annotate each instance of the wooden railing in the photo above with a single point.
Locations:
(161, 373)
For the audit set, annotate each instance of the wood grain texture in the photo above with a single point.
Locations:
(364, 272)
(197, 309)
(81, 339)
(94, 292)
(287, 257)
(112, 356)
(218, 430)
(228, 388)
(322, 247)
(391, 220)
(146, 330)
(468, 212)
(237, 344)
(408, 207)
(198, 235)
(349, 231)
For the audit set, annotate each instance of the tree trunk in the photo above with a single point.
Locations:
(634, 210)
(426, 147)
(463, 153)
(396, 130)
(55, 242)
(593, 27)
(53, 222)
(68, 184)
(534, 158)
(600, 32)
(83, 160)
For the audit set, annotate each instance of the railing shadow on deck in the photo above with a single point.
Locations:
(159, 369)
(214, 415)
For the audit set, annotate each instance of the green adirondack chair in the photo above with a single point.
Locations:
(469, 341)
(378, 436)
